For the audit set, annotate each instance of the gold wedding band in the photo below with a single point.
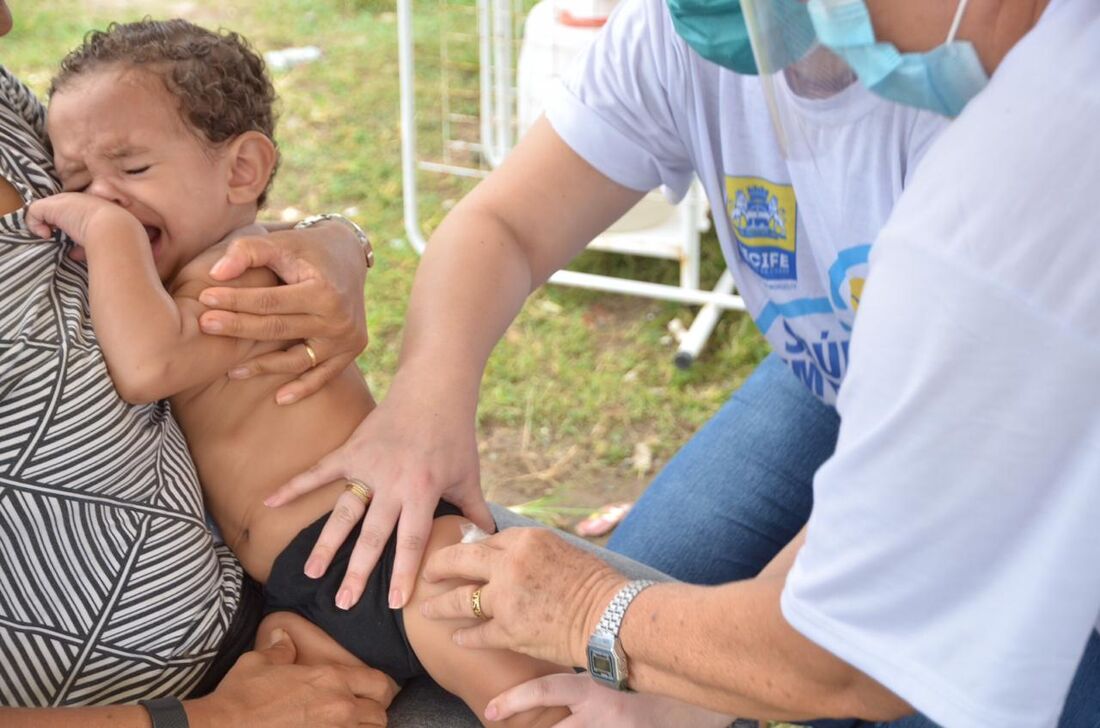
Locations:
(311, 354)
(475, 603)
(360, 490)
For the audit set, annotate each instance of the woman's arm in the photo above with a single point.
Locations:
(525, 221)
(743, 653)
(265, 689)
(726, 648)
(111, 716)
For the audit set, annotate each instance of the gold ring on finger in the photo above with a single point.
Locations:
(475, 604)
(360, 490)
(311, 354)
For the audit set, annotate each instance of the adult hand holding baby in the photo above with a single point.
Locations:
(322, 302)
(265, 688)
(418, 446)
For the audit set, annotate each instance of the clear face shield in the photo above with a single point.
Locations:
(797, 73)
(812, 97)
(823, 72)
(816, 102)
(809, 50)
(824, 77)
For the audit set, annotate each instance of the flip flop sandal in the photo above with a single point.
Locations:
(600, 522)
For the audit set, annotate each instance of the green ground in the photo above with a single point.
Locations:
(582, 379)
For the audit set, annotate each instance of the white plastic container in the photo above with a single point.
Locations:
(555, 35)
(583, 13)
(286, 58)
(549, 49)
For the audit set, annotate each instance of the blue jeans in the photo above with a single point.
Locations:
(742, 487)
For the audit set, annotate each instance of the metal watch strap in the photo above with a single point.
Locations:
(364, 241)
(612, 618)
(166, 712)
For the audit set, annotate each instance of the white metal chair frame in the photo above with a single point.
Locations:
(496, 124)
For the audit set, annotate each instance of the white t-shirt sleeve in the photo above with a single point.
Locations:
(617, 108)
(952, 551)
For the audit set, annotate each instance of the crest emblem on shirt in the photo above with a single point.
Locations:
(764, 217)
(855, 292)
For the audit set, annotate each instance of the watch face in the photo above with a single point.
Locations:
(606, 663)
(600, 665)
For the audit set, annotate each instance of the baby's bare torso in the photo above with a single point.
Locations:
(245, 446)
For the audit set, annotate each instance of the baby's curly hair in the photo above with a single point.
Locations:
(220, 82)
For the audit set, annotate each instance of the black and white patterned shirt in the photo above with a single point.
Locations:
(111, 588)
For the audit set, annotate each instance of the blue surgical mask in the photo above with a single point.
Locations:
(715, 29)
(942, 80)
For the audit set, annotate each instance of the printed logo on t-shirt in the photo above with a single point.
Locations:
(811, 332)
(847, 275)
(855, 292)
(764, 218)
(819, 363)
(811, 340)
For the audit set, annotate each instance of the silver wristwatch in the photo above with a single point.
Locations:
(368, 250)
(606, 659)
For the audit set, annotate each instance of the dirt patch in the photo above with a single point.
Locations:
(558, 484)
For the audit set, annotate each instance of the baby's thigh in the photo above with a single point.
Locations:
(475, 675)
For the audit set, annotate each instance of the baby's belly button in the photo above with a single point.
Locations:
(240, 539)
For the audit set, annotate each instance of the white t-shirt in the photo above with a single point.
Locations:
(646, 110)
(954, 550)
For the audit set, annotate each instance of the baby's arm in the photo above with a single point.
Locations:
(151, 340)
(475, 675)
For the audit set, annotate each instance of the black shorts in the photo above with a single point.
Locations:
(370, 630)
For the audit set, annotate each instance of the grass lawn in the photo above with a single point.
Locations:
(581, 381)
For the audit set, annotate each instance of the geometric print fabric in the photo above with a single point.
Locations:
(111, 588)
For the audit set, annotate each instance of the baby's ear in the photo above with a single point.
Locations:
(252, 159)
